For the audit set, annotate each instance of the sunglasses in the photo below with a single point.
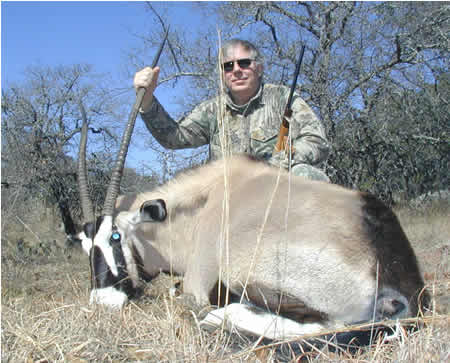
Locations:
(243, 63)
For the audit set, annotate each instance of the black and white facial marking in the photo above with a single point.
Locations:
(111, 256)
(109, 276)
(87, 234)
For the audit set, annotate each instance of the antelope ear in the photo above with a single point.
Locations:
(153, 211)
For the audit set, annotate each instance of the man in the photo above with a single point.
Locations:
(252, 114)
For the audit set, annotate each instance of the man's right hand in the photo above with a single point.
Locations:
(146, 78)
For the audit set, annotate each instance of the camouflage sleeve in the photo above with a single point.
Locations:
(192, 130)
(308, 137)
(308, 134)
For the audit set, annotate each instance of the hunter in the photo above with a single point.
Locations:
(253, 114)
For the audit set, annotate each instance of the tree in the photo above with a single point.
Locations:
(41, 120)
(414, 125)
(356, 53)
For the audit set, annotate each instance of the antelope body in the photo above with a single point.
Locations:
(313, 252)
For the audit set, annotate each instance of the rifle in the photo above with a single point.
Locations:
(284, 128)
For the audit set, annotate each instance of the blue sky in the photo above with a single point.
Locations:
(94, 32)
(53, 33)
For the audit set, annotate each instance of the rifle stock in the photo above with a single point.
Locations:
(283, 133)
(284, 127)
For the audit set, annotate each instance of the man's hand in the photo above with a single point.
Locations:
(146, 78)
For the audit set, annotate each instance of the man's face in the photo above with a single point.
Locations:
(242, 81)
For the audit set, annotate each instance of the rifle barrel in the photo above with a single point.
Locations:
(297, 72)
(284, 127)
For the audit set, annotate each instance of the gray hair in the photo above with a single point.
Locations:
(249, 47)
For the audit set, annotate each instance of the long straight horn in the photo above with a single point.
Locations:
(114, 185)
(86, 204)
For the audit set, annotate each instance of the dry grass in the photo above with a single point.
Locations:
(46, 316)
(429, 232)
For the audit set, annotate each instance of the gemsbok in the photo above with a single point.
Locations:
(301, 256)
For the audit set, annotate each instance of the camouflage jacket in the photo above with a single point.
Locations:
(252, 128)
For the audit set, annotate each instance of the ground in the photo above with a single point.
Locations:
(46, 316)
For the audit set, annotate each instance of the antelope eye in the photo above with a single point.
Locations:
(115, 237)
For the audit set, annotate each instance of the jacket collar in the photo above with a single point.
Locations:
(242, 108)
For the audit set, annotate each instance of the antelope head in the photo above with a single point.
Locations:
(107, 239)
